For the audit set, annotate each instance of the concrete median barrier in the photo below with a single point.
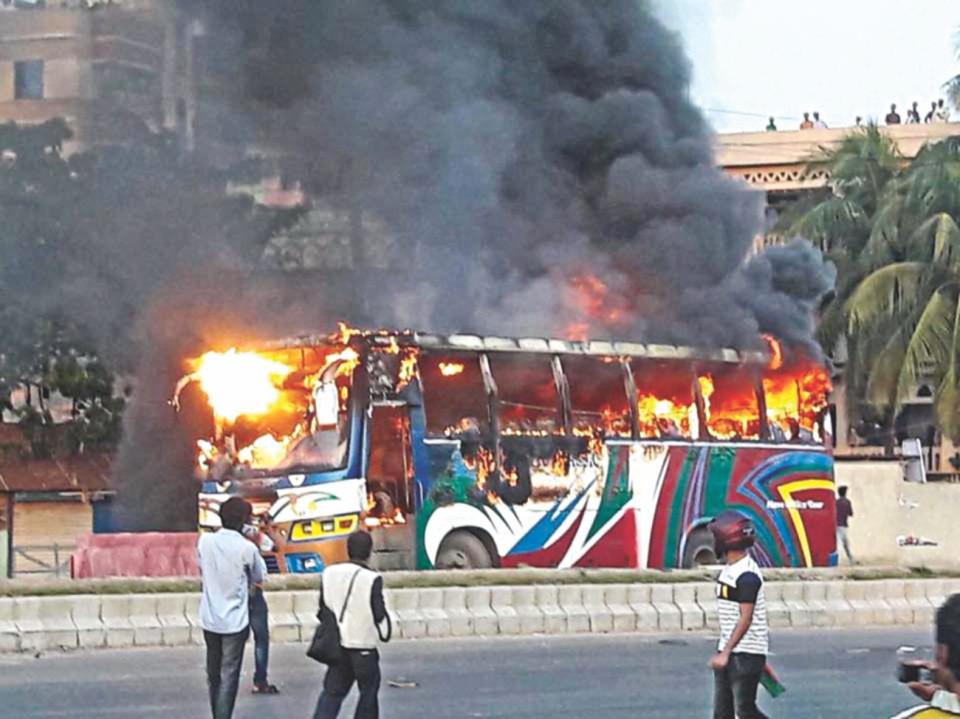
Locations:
(638, 597)
(85, 612)
(404, 603)
(172, 615)
(525, 602)
(45, 623)
(691, 614)
(283, 622)
(147, 630)
(501, 601)
(455, 605)
(815, 597)
(9, 634)
(839, 609)
(548, 601)
(601, 618)
(570, 599)
(668, 614)
(791, 594)
(484, 618)
(431, 606)
(91, 621)
(615, 597)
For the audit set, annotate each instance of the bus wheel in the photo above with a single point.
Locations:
(462, 550)
(699, 550)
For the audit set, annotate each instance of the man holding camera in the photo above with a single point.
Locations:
(942, 695)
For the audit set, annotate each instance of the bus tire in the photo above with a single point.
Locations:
(699, 550)
(463, 550)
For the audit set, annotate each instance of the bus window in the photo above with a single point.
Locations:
(796, 399)
(598, 397)
(730, 401)
(454, 398)
(527, 392)
(666, 406)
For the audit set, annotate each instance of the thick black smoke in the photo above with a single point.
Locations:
(509, 148)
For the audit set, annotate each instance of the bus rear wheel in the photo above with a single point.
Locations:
(699, 550)
(463, 550)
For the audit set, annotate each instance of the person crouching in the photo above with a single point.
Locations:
(742, 613)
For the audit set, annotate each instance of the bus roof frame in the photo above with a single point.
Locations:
(539, 345)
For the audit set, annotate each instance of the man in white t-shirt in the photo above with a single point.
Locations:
(742, 614)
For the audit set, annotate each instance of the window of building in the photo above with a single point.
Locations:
(598, 397)
(454, 398)
(527, 393)
(28, 80)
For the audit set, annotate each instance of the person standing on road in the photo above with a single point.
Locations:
(355, 591)
(844, 512)
(942, 695)
(229, 565)
(259, 620)
(742, 613)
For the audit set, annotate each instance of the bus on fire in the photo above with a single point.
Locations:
(468, 451)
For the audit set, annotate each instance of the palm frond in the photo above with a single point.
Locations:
(929, 348)
(939, 239)
(833, 222)
(888, 293)
(946, 400)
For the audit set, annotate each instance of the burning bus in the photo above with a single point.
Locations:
(469, 451)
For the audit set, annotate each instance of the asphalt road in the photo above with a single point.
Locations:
(827, 673)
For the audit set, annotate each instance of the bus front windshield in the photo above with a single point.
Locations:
(261, 414)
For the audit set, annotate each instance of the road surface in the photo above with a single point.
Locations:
(827, 673)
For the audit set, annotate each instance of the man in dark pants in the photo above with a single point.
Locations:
(259, 621)
(355, 591)
(229, 564)
(742, 614)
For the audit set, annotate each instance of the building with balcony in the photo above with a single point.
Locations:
(108, 68)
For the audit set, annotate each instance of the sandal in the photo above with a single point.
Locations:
(265, 689)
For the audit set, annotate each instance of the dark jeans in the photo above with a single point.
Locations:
(735, 687)
(360, 665)
(224, 659)
(261, 636)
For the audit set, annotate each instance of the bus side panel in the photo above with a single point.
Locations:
(787, 492)
(591, 524)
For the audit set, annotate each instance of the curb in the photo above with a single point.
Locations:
(33, 624)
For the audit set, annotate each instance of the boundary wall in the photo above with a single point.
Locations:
(36, 624)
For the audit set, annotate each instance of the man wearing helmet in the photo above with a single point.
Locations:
(742, 612)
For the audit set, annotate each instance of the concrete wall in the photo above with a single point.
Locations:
(886, 507)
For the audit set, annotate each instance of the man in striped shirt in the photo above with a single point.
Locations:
(742, 613)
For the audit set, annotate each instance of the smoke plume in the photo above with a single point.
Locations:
(534, 166)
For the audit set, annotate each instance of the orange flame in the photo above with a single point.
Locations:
(239, 383)
(776, 352)
(451, 369)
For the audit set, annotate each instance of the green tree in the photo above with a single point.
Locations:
(85, 242)
(889, 226)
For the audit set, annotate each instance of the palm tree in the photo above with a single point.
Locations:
(888, 225)
(908, 314)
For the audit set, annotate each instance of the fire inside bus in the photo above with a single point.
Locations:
(469, 452)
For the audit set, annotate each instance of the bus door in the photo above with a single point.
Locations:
(390, 492)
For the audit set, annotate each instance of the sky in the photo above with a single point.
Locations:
(756, 58)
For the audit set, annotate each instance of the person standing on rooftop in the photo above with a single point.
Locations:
(771, 126)
(806, 124)
(818, 123)
(893, 117)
